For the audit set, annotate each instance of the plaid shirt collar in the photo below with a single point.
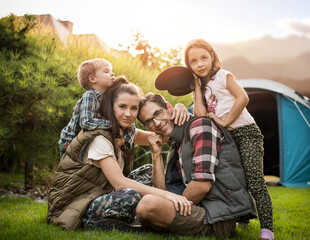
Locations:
(98, 94)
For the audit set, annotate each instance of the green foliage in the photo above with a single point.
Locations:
(22, 218)
(13, 33)
(38, 90)
(11, 180)
(43, 177)
(34, 101)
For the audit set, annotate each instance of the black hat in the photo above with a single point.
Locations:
(176, 80)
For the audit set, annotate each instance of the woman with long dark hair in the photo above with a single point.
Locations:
(91, 186)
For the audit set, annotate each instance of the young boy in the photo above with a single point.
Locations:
(95, 76)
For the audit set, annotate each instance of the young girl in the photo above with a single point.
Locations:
(219, 96)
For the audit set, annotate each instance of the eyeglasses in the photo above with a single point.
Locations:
(158, 115)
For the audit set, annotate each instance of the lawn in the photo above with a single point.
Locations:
(23, 218)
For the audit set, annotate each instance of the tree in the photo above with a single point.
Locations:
(143, 50)
(34, 90)
(13, 32)
(168, 58)
(38, 89)
(154, 58)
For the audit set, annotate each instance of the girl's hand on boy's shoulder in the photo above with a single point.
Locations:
(180, 114)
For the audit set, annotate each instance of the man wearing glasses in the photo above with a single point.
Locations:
(203, 165)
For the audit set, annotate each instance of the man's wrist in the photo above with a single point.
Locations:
(156, 156)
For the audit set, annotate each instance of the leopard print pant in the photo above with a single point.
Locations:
(249, 141)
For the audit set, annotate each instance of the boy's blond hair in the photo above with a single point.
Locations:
(89, 67)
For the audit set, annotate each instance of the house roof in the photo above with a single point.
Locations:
(64, 29)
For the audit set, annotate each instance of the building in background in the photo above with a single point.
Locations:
(64, 30)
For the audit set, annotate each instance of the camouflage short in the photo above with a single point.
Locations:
(119, 204)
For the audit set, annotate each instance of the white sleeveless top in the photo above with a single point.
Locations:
(220, 100)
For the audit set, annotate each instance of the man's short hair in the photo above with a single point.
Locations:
(90, 67)
(152, 97)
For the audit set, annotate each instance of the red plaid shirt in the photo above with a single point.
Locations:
(207, 142)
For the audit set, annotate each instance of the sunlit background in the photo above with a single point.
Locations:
(171, 23)
(253, 38)
(262, 42)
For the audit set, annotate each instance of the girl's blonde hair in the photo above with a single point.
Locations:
(89, 67)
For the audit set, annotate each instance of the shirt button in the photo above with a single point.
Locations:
(228, 192)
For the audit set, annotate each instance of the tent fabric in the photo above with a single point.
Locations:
(274, 87)
(293, 112)
(295, 162)
(283, 116)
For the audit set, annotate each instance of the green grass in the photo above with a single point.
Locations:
(11, 180)
(22, 218)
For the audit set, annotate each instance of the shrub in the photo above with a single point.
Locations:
(13, 32)
(39, 89)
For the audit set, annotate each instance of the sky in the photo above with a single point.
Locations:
(172, 23)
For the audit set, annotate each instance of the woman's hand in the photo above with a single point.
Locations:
(180, 114)
(181, 204)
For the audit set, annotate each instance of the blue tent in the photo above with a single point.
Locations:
(283, 116)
